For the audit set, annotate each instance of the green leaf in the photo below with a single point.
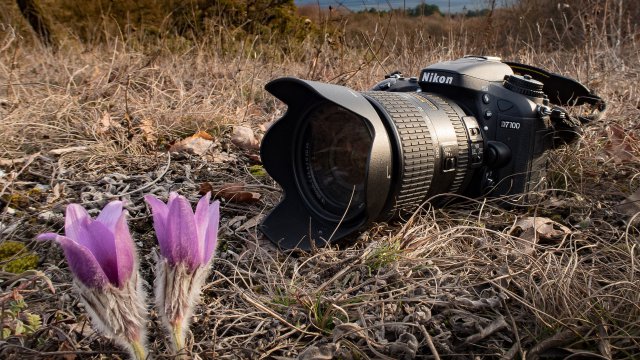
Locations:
(34, 321)
(19, 328)
(257, 171)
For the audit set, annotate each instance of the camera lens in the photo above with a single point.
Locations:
(432, 145)
(345, 159)
(336, 144)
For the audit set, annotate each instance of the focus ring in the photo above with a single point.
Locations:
(416, 143)
(461, 136)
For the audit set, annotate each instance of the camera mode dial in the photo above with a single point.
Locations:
(524, 85)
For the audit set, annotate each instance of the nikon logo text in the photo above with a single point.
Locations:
(435, 78)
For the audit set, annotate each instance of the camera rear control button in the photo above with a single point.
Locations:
(486, 98)
(504, 105)
(488, 114)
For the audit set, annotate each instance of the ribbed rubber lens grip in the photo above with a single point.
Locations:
(416, 144)
(425, 124)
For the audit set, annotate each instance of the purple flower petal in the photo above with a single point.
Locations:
(102, 246)
(47, 236)
(110, 214)
(75, 224)
(82, 263)
(202, 221)
(124, 250)
(211, 236)
(172, 196)
(160, 213)
(98, 252)
(182, 231)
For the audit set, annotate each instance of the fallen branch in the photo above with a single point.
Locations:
(430, 344)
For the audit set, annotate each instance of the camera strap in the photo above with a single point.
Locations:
(564, 91)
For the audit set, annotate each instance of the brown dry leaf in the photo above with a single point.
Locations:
(218, 157)
(198, 143)
(149, 133)
(347, 329)
(233, 192)
(251, 223)
(265, 126)
(203, 134)
(250, 110)
(56, 193)
(254, 159)
(11, 162)
(318, 352)
(205, 188)
(622, 146)
(244, 138)
(67, 150)
(104, 124)
(67, 350)
(533, 229)
(631, 205)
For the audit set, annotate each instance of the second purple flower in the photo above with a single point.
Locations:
(187, 243)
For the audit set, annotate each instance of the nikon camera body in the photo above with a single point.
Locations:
(475, 126)
(501, 120)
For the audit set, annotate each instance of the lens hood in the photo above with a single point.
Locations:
(294, 222)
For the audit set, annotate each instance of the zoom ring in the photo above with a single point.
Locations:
(417, 147)
(461, 136)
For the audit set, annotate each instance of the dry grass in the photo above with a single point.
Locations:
(454, 282)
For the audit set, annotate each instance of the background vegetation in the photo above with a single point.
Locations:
(90, 114)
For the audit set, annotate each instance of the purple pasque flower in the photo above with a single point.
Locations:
(187, 244)
(100, 251)
(185, 237)
(102, 258)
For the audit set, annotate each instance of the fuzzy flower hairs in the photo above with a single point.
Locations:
(187, 244)
(102, 259)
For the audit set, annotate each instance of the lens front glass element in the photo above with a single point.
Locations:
(337, 146)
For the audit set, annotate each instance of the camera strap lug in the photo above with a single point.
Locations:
(396, 74)
(564, 91)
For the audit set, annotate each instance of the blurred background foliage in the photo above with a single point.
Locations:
(95, 21)
(547, 25)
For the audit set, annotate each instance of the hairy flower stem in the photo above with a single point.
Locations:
(178, 337)
(177, 290)
(138, 351)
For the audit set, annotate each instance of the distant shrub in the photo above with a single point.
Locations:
(424, 10)
(93, 21)
(568, 24)
(476, 13)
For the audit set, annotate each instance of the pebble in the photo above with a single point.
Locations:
(47, 216)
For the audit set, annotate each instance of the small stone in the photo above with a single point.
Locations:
(48, 216)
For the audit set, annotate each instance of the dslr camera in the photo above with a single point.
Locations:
(475, 126)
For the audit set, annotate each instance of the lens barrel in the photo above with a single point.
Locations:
(431, 144)
(357, 158)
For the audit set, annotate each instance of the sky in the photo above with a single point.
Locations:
(455, 5)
